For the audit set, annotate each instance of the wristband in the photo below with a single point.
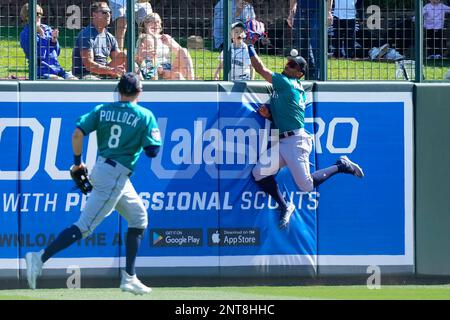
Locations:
(77, 159)
(251, 51)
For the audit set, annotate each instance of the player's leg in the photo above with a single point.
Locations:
(300, 147)
(264, 173)
(130, 206)
(342, 165)
(107, 186)
(296, 150)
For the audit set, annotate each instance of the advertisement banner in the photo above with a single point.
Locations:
(204, 208)
(9, 180)
(366, 221)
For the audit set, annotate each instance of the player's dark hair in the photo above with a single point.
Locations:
(96, 5)
(129, 84)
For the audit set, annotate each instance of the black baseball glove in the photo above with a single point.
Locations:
(80, 176)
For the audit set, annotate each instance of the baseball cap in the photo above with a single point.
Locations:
(129, 84)
(299, 60)
(238, 24)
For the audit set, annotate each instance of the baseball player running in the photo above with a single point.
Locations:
(287, 112)
(123, 130)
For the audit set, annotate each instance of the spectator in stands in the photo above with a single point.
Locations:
(118, 14)
(241, 66)
(304, 20)
(433, 22)
(241, 11)
(344, 23)
(94, 47)
(156, 50)
(47, 44)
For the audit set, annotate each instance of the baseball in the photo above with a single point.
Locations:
(294, 52)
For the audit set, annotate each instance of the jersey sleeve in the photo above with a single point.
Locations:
(88, 122)
(152, 136)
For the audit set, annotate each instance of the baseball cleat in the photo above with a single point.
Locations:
(133, 284)
(286, 215)
(347, 166)
(34, 267)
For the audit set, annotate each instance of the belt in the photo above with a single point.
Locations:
(113, 164)
(289, 133)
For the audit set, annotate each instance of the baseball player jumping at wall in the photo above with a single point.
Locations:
(287, 112)
(123, 130)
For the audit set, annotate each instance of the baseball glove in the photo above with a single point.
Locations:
(80, 176)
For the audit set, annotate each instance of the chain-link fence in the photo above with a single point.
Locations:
(183, 40)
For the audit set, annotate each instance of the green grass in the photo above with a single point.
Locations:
(12, 61)
(388, 292)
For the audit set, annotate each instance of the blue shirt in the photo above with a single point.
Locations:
(47, 52)
(102, 44)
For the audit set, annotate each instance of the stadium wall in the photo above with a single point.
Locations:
(207, 217)
(432, 172)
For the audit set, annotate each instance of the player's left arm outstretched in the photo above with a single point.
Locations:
(258, 65)
(266, 73)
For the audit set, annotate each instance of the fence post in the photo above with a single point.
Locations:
(131, 34)
(419, 42)
(323, 40)
(32, 62)
(227, 14)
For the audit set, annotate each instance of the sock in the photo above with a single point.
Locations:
(66, 238)
(133, 241)
(270, 186)
(323, 174)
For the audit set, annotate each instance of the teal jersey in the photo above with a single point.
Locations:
(123, 130)
(287, 103)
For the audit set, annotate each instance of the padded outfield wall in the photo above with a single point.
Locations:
(206, 215)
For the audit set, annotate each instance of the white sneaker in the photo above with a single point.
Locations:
(133, 284)
(286, 215)
(34, 267)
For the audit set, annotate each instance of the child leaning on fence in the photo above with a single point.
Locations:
(47, 45)
(148, 66)
(241, 66)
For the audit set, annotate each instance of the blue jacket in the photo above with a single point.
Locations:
(47, 52)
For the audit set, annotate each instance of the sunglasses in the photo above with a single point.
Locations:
(39, 14)
(104, 11)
